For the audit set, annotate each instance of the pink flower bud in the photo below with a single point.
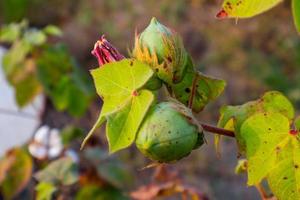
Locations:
(105, 52)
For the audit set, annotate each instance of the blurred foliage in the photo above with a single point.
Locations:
(67, 85)
(15, 172)
(109, 167)
(45, 191)
(70, 134)
(60, 172)
(96, 193)
(32, 65)
(14, 10)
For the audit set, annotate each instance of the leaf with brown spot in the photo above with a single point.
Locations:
(234, 116)
(245, 8)
(272, 153)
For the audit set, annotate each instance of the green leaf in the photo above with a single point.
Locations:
(60, 93)
(67, 85)
(15, 172)
(116, 83)
(123, 125)
(296, 13)
(110, 105)
(118, 80)
(247, 8)
(101, 119)
(15, 56)
(234, 116)
(20, 72)
(297, 123)
(265, 135)
(67, 95)
(284, 179)
(62, 171)
(27, 89)
(273, 153)
(45, 191)
(205, 89)
(53, 30)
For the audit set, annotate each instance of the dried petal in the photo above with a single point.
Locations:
(105, 52)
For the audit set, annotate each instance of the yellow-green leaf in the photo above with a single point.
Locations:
(245, 8)
(284, 179)
(234, 116)
(273, 152)
(116, 84)
(120, 79)
(296, 13)
(123, 125)
(265, 134)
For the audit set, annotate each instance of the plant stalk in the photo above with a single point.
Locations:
(217, 130)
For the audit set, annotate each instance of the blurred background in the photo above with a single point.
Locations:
(253, 56)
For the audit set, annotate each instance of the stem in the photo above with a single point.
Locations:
(216, 130)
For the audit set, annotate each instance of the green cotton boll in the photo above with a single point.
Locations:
(162, 48)
(153, 37)
(169, 133)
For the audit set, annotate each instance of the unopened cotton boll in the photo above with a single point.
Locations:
(163, 49)
(169, 133)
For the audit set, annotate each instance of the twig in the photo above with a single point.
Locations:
(216, 130)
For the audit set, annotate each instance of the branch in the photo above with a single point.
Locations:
(216, 130)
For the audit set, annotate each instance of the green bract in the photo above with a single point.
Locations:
(153, 83)
(169, 133)
(163, 49)
(197, 89)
